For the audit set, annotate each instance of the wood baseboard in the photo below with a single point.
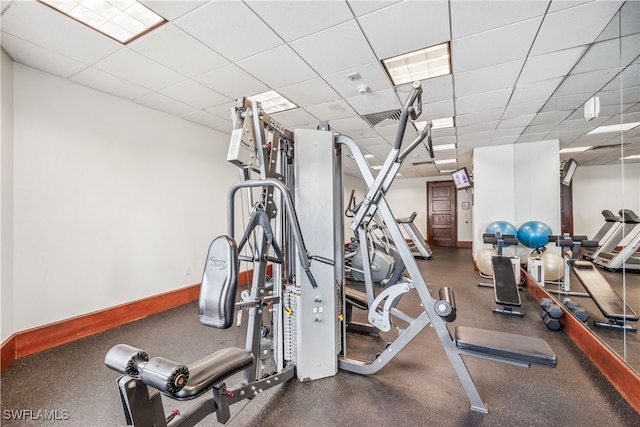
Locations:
(43, 337)
(619, 374)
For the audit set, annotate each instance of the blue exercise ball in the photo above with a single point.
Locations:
(534, 234)
(503, 227)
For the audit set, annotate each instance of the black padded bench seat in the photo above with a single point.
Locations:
(519, 348)
(609, 303)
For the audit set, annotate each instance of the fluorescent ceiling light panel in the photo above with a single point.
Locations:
(272, 102)
(574, 149)
(614, 128)
(447, 122)
(444, 161)
(444, 147)
(633, 157)
(122, 20)
(447, 170)
(419, 65)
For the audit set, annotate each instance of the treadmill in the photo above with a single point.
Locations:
(612, 223)
(622, 255)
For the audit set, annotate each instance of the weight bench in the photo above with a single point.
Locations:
(503, 347)
(143, 379)
(505, 284)
(609, 303)
(505, 287)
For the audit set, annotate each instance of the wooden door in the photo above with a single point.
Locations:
(441, 213)
(566, 209)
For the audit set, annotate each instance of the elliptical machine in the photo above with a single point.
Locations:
(385, 261)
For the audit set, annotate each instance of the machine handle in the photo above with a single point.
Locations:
(323, 260)
(409, 111)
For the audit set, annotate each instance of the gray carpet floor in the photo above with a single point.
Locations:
(417, 388)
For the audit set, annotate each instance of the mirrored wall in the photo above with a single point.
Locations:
(606, 83)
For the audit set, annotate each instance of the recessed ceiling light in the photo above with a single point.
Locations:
(122, 20)
(444, 147)
(419, 65)
(272, 102)
(447, 170)
(575, 149)
(446, 122)
(633, 157)
(444, 161)
(614, 128)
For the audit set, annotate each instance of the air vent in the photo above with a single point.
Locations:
(426, 162)
(375, 119)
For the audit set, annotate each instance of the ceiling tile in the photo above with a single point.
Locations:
(587, 82)
(471, 17)
(504, 44)
(163, 103)
(309, 92)
(480, 127)
(437, 89)
(233, 82)
(524, 108)
(487, 79)
(374, 102)
(92, 77)
(600, 56)
(223, 110)
(175, 49)
(328, 52)
(533, 91)
(296, 118)
(550, 65)
(32, 21)
(362, 7)
(268, 67)
(516, 122)
(138, 69)
(482, 101)
(301, 18)
(172, 9)
(476, 117)
(338, 109)
(371, 75)
(437, 110)
(40, 58)
(587, 21)
(195, 94)
(420, 23)
(221, 24)
(209, 120)
(348, 124)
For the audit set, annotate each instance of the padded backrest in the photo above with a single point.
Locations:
(219, 284)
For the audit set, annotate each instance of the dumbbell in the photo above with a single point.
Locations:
(551, 314)
(575, 308)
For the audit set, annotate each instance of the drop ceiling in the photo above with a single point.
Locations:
(521, 70)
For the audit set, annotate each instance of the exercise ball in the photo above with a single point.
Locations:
(483, 261)
(502, 227)
(553, 266)
(534, 234)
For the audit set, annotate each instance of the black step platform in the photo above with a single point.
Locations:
(502, 345)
